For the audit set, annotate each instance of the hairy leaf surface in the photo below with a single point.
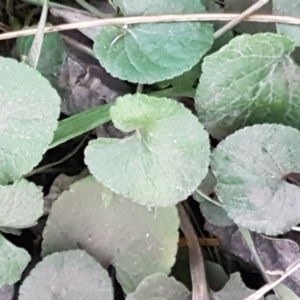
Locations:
(162, 162)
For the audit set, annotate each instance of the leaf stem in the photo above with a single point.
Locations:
(208, 198)
(153, 19)
(139, 88)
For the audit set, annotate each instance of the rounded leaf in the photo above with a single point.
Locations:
(251, 80)
(162, 162)
(138, 241)
(67, 275)
(159, 286)
(29, 109)
(21, 204)
(148, 53)
(13, 261)
(251, 167)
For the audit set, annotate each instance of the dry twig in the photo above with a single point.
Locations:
(154, 19)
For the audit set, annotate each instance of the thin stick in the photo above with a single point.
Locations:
(266, 288)
(200, 290)
(153, 19)
(43, 168)
(256, 6)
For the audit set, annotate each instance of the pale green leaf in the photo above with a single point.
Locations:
(35, 49)
(148, 53)
(80, 123)
(215, 275)
(251, 166)
(68, 275)
(21, 204)
(285, 293)
(52, 55)
(250, 80)
(13, 261)
(162, 162)
(158, 286)
(235, 289)
(29, 112)
(136, 240)
(291, 9)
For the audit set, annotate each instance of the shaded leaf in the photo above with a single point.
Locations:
(52, 55)
(247, 82)
(211, 212)
(291, 9)
(7, 292)
(67, 275)
(145, 53)
(276, 254)
(162, 162)
(235, 289)
(136, 240)
(29, 112)
(216, 276)
(13, 261)
(21, 204)
(238, 6)
(158, 286)
(251, 166)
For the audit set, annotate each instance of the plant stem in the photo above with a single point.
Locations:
(208, 198)
(92, 9)
(154, 19)
(139, 88)
(200, 290)
(43, 168)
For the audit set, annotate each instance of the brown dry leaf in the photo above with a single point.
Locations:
(275, 254)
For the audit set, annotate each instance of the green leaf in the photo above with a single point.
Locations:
(285, 293)
(13, 261)
(251, 166)
(291, 9)
(80, 123)
(158, 286)
(213, 213)
(148, 53)
(21, 204)
(29, 113)
(52, 55)
(137, 241)
(235, 289)
(67, 275)
(162, 162)
(250, 80)
(35, 49)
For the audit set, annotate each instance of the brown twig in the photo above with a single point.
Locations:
(154, 19)
(43, 168)
(200, 290)
(256, 6)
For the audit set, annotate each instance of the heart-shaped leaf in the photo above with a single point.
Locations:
(162, 162)
(136, 240)
(21, 204)
(13, 261)
(252, 167)
(158, 286)
(67, 275)
(250, 80)
(148, 53)
(29, 109)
